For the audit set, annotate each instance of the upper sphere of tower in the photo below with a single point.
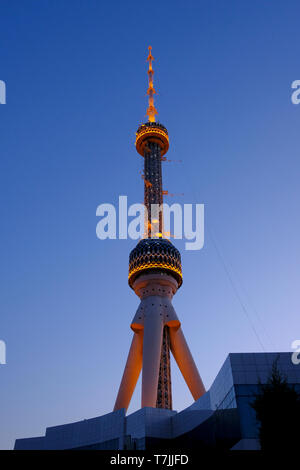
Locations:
(152, 132)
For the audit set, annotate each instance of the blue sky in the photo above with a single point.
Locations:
(76, 82)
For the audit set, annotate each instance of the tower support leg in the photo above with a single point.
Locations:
(185, 362)
(131, 372)
(153, 330)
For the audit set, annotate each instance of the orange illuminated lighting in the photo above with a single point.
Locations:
(152, 130)
(151, 134)
(151, 111)
(154, 264)
(154, 221)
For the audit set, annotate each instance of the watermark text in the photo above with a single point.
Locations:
(296, 354)
(183, 221)
(2, 92)
(2, 352)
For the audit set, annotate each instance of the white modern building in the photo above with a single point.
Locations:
(221, 417)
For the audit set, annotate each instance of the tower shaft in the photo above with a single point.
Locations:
(153, 190)
(153, 199)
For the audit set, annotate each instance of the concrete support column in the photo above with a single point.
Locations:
(153, 329)
(131, 372)
(185, 362)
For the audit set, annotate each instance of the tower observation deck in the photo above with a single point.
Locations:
(155, 275)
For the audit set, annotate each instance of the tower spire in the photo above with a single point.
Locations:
(151, 111)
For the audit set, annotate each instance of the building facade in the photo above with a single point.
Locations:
(221, 418)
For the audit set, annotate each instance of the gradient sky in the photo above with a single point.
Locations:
(76, 82)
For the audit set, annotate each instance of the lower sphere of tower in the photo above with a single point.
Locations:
(153, 254)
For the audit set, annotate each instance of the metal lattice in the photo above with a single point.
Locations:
(164, 388)
(153, 184)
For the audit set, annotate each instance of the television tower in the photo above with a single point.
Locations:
(155, 275)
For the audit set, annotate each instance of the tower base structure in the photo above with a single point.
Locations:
(154, 314)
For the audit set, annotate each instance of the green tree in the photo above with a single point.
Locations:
(277, 408)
